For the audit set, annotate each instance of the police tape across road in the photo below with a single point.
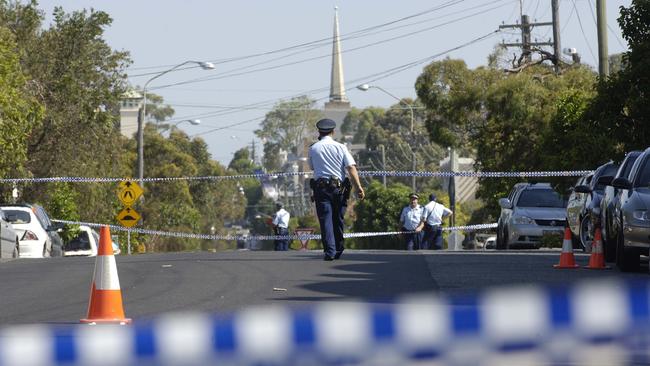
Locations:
(265, 237)
(605, 322)
(376, 173)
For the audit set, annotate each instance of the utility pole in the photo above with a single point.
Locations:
(603, 60)
(526, 43)
(383, 163)
(555, 7)
(414, 168)
(253, 151)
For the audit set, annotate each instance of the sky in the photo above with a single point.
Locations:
(265, 51)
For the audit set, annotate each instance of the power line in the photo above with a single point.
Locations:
(229, 74)
(583, 32)
(377, 76)
(326, 40)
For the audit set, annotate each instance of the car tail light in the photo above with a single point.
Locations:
(29, 235)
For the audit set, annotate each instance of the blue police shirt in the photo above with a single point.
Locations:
(329, 158)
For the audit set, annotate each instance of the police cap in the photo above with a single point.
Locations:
(325, 125)
(414, 195)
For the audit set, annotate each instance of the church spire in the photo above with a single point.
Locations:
(337, 87)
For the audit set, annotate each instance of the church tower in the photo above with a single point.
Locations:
(338, 105)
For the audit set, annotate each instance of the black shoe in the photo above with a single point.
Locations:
(338, 255)
(328, 258)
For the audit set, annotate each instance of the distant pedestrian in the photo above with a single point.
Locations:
(431, 221)
(330, 160)
(281, 226)
(409, 220)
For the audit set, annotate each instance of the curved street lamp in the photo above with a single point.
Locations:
(366, 87)
(204, 66)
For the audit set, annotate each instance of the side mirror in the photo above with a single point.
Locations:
(582, 189)
(505, 203)
(621, 183)
(605, 180)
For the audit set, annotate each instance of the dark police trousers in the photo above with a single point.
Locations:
(413, 240)
(282, 244)
(331, 204)
(432, 237)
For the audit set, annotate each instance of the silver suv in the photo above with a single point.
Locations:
(530, 211)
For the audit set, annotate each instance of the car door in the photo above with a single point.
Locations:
(574, 206)
(7, 236)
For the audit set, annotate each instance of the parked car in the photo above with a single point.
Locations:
(633, 219)
(575, 209)
(490, 243)
(38, 234)
(86, 243)
(8, 238)
(583, 213)
(608, 206)
(530, 211)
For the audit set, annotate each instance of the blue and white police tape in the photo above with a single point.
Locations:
(593, 323)
(377, 173)
(177, 234)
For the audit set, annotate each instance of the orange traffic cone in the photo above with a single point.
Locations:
(105, 305)
(567, 260)
(597, 258)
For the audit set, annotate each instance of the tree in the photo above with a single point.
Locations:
(286, 127)
(79, 80)
(20, 112)
(621, 109)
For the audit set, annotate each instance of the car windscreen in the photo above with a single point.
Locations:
(643, 176)
(540, 198)
(17, 216)
(80, 242)
(609, 170)
(627, 167)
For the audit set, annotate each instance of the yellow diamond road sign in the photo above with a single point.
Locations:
(129, 191)
(128, 217)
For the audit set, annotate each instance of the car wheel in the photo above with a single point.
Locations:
(499, 243)
(506, 234)
(46, 253)
(627, 259)
(609, 247)
(585, 233)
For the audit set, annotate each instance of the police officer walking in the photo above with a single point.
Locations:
(409, 220)
(431, 221)
(281, 227)
(329, 161)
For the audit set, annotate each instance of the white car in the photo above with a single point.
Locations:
(38, 237)
(8, 238)
(86, 244)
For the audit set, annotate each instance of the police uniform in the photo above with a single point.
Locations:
(410, 220)
(432, 216)
(281, 225)
(329, 160)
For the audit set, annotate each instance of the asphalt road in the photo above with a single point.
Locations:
(56, 290)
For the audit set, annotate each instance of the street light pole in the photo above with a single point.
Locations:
(143, 115)
(365, 87)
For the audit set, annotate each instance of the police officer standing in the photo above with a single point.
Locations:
(409, 220)
(281, 226)
(431, 221)
(329, 161)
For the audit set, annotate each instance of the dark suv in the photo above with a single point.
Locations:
(609, 205)
(582, 225)
(633, 216)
